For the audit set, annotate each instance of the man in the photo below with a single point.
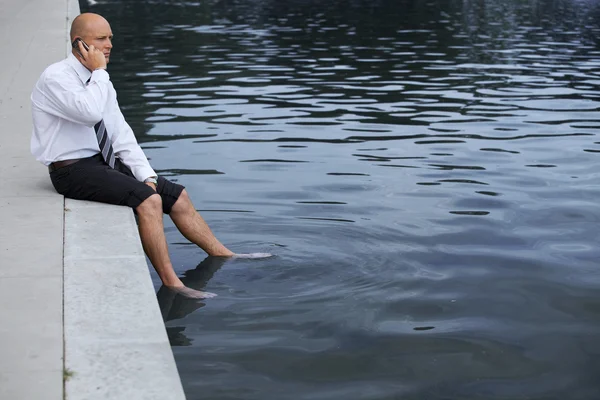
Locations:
(80, 133)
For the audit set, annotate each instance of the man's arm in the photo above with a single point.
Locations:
(128, 150)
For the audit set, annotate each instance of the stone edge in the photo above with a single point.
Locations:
(116, 345)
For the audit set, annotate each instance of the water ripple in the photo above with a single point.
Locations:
(425, 172)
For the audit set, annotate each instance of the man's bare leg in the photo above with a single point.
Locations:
(150, 217)
(191, 225)
(194, 228)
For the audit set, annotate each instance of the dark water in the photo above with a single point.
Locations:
(425, 171)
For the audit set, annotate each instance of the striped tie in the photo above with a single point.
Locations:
(104, 143)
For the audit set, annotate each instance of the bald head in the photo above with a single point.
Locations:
(89, 24)
(95, 31)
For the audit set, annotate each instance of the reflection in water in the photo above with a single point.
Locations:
(174, 306)
(425, 170)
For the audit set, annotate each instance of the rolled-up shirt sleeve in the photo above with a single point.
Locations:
(69, 99)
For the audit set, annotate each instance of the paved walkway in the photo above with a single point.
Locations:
(109, 336)
(31, 213)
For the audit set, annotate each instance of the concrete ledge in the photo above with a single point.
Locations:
(116, 343)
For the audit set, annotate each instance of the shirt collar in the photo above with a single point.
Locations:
(83, 73)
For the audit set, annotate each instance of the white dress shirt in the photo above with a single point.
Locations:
(65, 111)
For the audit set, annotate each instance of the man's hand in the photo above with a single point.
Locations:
(93, 58)
(152, 185)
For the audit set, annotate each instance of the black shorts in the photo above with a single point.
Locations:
(92, 179)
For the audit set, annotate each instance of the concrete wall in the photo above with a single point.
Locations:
(115, 339)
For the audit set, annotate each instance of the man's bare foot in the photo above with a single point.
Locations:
(192, 293)
(252, 255)
(225, 253)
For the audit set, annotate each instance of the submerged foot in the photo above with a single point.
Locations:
(252, 255)
(192, 293)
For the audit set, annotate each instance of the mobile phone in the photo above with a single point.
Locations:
(75, 45)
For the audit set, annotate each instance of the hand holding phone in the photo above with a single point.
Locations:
(75, 45)
(89, 56)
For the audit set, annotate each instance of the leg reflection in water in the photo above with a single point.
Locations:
(173, 305)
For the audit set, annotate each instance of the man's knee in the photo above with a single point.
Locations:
(182, 201)
(183, 196)
(152, 205)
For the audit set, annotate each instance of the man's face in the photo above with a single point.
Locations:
(100, 36)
